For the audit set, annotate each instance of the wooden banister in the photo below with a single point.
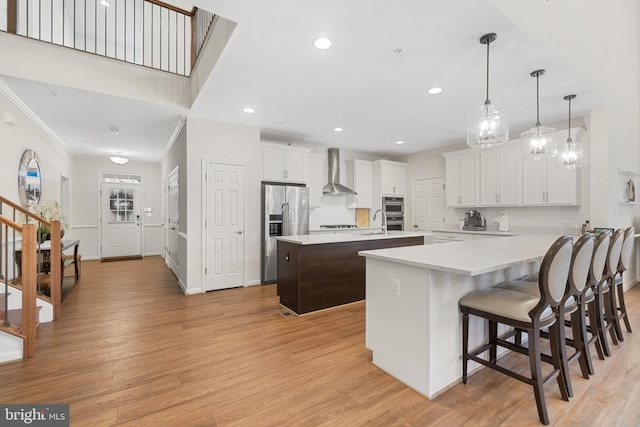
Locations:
(27, 213)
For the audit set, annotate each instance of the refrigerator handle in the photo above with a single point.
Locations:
(285, 219)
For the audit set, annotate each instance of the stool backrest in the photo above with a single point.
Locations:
(600, 251)
(581, 263)
(554, 272)
(627, 248)
(613, 257)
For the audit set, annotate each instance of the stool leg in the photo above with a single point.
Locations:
(613, 309)
(465, 345)
(559, 358)
(595, 329)
(579, 332)
(536, 375)
(623, 308)
(493, 337)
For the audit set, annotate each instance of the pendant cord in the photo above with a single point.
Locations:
(569, 130)
(537, 100)
(487, 101)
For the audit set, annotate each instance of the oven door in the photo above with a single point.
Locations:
(395, 223)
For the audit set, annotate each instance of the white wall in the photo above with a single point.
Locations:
(214, 141)
(15, 139)
(85, 214)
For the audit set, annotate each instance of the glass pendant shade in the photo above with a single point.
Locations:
(573, 154)
(541, 141)
(487, 127)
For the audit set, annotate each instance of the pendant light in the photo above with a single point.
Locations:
(487, 126)
(573, 155)
(540, 139)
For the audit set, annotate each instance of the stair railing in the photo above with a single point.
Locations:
(29, 280)
(150, 33)
(13, 240)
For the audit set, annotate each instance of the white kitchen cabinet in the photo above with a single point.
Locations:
(444, 237)
(360, 180)
(393, 177)
(462, 178)
(501, 176)
(315, 181)
(546, 182)
(282, 163)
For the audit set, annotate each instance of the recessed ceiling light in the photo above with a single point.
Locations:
(338, 129)
(114, 130)
(105, 3)
(399, 142)
(322, 43)
(248, 110)
(434, 90)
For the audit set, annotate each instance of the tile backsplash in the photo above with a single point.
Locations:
(561, 219)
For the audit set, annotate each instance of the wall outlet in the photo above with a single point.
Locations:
(395, 287)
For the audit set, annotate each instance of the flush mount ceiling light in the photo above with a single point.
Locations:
(105, 3)
(487, 126)
(118, 159)
(540, 139)
(114, 130)
(434, 90)
(338, 129)
(573, 151)
(399, 142)
(322, 43)
(248, 110)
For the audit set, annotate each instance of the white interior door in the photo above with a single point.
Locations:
(224, 226)
(121, 232)
(428, 203)
(173, 221)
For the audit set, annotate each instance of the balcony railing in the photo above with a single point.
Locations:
(144, 32)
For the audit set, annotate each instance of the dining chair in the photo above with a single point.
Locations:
(527, 313)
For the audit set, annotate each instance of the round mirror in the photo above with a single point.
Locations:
(29, 179)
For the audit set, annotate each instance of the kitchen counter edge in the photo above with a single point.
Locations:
(320, 239)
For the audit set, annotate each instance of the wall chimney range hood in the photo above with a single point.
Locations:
(334, 187)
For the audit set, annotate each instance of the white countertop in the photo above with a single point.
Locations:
(471, 257)
(319, 239)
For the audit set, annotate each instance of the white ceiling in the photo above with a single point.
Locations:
(361, 84)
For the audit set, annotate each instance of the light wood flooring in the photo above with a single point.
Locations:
(132, 350)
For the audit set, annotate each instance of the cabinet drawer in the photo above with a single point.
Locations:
(440, 237)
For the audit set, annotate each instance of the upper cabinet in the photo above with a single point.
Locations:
(501, 175)
(546, 181)
(461, 178)
(390, 178)
(359, 179)
(283, 163)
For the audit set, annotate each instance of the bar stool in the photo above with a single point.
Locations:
(572, 304)
(599, 310)
(526, 313)
(618, 307)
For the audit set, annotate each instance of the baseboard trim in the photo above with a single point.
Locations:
(121, 258)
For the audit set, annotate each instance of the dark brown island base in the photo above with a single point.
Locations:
(314, 276)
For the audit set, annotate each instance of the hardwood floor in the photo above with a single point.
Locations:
(132, 350)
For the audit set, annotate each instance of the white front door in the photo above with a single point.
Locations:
(429, 204)
(121, 232)
(224, 226)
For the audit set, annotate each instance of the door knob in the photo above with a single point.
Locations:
(238, 232)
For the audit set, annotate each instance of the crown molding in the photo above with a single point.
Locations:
(15, 100)
(174, 135)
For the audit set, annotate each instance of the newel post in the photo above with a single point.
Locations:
(29, 283)
(56, 269)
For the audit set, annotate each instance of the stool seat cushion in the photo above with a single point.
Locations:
(504, 302)
(531, 288)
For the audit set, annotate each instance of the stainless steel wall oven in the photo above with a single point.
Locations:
(393, 207)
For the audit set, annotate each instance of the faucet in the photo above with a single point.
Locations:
(384, 219)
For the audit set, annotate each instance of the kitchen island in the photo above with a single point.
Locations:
(413, 324)
(321, 271)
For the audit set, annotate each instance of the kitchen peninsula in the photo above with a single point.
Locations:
(321, 271)
(413, 324)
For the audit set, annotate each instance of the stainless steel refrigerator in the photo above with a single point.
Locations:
(285, 212)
